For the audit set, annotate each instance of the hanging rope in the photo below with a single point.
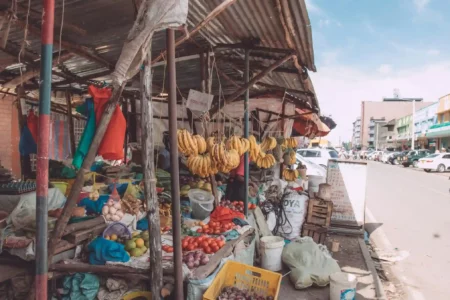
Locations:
(25, 43)
(61, 29)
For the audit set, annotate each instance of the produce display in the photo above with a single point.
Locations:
(208, 244)
(131, 205)
(265, 161)
(290, 143)
(289, 157)
(229, 292)
(269, 143)
(236, 205)
(137, 245)
(216, 228)
(290, 175)
(225, 160)
(112, 211)
(241, 145)
(195, 259)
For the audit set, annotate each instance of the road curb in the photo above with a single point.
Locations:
(379, 290)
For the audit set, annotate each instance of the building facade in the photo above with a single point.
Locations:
(356, 136)
(389, 108)
(424, 119)
(375, 132)
(441, 130)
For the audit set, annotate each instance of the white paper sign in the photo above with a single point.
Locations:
(199, 101)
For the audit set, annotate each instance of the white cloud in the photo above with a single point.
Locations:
(330, 57)
(340, 90)
(324, 23)
(421, 4)
(313, 8)
(384, 69)
(433, 52)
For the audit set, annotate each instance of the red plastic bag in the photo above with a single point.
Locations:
(111, 147)
(225, 214)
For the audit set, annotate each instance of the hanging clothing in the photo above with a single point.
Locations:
(111, 147)
(87, 109)
(59, 147)
(29, 135)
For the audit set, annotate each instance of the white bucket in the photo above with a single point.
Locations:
(202, 203)
(314, 181)
(271, 250)
(343, 286)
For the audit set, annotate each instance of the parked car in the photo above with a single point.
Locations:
(385, 156)
(312, 169)
(394, 159)
(318, 155)
(375, 155)
(413, 157)
(439, 162)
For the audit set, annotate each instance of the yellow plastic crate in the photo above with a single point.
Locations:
(255, 280)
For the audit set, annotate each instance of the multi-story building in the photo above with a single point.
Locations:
(404, 131)
(441, 130)
(389, 108)
(388, 139)
(424, 119)
(356, 137)
(375, 132)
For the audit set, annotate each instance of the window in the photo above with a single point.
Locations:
(333, 154)
(446, 156)
(309, 153)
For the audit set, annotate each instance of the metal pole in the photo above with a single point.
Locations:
(376, 137)
(246, 129)
(41, 276)
(413, 120)
(174, 168)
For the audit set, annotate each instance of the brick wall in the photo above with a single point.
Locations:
(6, 111)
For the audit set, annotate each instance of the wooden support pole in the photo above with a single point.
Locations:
(70, 119)
(133, 122)
(211, 16)
(246, 131)
(254, 80)
(148, 166)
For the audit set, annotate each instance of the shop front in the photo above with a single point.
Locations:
(441, 135)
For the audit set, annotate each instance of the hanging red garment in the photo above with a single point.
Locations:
(111, 147)
(32, 124)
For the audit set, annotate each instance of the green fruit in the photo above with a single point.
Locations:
(129, 245)
(147, 244)
(186, 187)
(143, 249)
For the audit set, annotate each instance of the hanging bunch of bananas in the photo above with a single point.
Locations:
(290, 175)
(225, 160)
(269, 143)
(237, 143)
(255, 149)
(265, 161)
(210, 142)
(200, 165)
(289, 157)
(201, 144)
(290, 143)
(187, 145)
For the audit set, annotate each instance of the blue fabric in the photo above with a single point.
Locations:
(142, 224)
(80, 286)
(240, 222)
(103, 250)
(94, 207)
(121, 188)
(27, 144)
(231, 235)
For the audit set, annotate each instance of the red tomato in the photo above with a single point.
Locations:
(199, 230)
(207, 250)
(195, 245)
(184, 244)
(170, 249)
(204, 244)
(190, 247)
(210, 241)
(241, 203)
(214, 248)
(221, 243)
(217, 231)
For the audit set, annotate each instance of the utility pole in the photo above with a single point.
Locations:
(376, 136)
(413, 121)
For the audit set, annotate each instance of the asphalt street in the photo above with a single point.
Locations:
(410, 210)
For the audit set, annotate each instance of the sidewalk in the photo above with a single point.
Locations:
(351, 259)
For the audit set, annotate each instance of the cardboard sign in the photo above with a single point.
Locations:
(348, 193)
(199, 101)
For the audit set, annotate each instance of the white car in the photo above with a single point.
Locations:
(385, 156)
(439, 162)
(312, 169)
(318, 155)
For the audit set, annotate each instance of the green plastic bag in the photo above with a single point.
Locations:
(80, 286)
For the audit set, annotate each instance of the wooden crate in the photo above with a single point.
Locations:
(319, 212)
(318, 233)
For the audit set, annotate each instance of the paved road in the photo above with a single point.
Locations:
(414, 210)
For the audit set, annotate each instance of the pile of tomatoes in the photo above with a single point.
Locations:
(208, 244)
(236, 205)
(167, 248)
(216, 228)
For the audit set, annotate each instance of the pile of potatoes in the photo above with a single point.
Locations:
(112, 211)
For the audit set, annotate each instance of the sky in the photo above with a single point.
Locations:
(364, 49)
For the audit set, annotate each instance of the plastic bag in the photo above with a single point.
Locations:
(196, 288)
(309, 262)
(295, 205)
(80, 286)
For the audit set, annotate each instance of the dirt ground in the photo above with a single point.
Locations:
(350, 259)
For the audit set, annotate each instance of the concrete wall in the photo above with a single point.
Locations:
(389, 110)
(9, 135)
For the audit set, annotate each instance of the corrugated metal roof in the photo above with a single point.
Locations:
(102, 26)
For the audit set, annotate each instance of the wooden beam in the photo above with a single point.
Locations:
(83, 225)
(211, 16)
(239, 63)
(244, 46)
(252, 81)
(283, 89)
(8, 18)
(72, 47)
(70, 119)
(78, 236)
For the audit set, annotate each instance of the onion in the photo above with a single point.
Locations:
(190, 258)
(115, 218)
(112, 210)
(108, 217)
(105, 210)
(196, 263)
(205, 260)
(110, 202)
(117, 205)
(120, 214)
(190, 265)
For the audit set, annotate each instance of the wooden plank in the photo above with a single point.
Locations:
(84, 225)
(261, 222)
(82, 235)
(71, 126)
